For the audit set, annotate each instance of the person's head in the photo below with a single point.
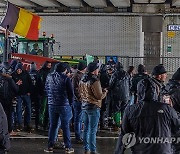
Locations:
(131, 70)
(19, 68)
(111, 59)
(93, 68)
(109, 69)
(61, 67)
(159, 72)
(141, 68)
(176, 75)
(33, 66)
(35, 46)
(47, 65)
(5, 68)
(82, 67)
(119, 66)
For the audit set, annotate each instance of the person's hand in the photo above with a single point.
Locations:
(105, 90)
(19, 82)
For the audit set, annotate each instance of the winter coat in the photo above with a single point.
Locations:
(91, 92)
(37, 84)
(26, 85)
(119, 85)
(172, 88)
(4, 134)
(136, 78)
(75, 81)
(154, 90)
(104, 79)
(59, 89)
(10, 91)
(149, 119)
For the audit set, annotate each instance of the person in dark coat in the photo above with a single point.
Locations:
(43, 72)
(105, 75)
(172, 89)
(119, 85)
(156, 82)
(36, 91)
(23, 96)
(148, 119)
(4, 134)
(60, 94)
(77, 102)
(8, 91)
(136, 78)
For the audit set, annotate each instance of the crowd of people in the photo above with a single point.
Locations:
(88, 98)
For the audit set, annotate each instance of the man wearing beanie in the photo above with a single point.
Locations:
(36, 91)
(23, 97)
(156, 84)
(136, 78)
(172, 88)
(91, 97)
(77, 102)
(60, 98)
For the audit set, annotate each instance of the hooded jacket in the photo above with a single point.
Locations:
(153, 120)
(26, 85)
(91, 91)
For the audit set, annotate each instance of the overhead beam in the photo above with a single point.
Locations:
(23, 3)
(176, 3)
(141, 1)
(121, 3)
(46, 3)
(71, 3)
(96, 3)
(158, 1)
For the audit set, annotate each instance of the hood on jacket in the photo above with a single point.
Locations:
(19, 66)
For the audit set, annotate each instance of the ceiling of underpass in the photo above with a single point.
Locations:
(90, 5)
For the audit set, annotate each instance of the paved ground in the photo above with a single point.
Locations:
(25, 143)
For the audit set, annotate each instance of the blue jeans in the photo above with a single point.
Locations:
(64, 114)
(25, 99)
(77, 119)
(91, 119)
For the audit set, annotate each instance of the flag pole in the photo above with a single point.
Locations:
(5, 53)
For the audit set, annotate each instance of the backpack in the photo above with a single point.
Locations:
(121, 89)
(4, 88)
(149, 89)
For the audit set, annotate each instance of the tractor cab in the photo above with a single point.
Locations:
(41, 47)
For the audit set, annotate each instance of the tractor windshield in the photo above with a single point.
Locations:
(34, 48)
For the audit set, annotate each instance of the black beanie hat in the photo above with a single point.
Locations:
(141, 68)
(119, 66)
(60, 67)
(19, 66)
(176, 75)
(92, 66)
(158, 70)
(81, 66)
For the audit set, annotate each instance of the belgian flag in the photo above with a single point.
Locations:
(22, 22)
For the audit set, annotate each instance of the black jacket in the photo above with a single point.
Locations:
(4, 134)
(150, 119)
(119, 84)
(26, 85)
(10, 91)
(172, 88)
